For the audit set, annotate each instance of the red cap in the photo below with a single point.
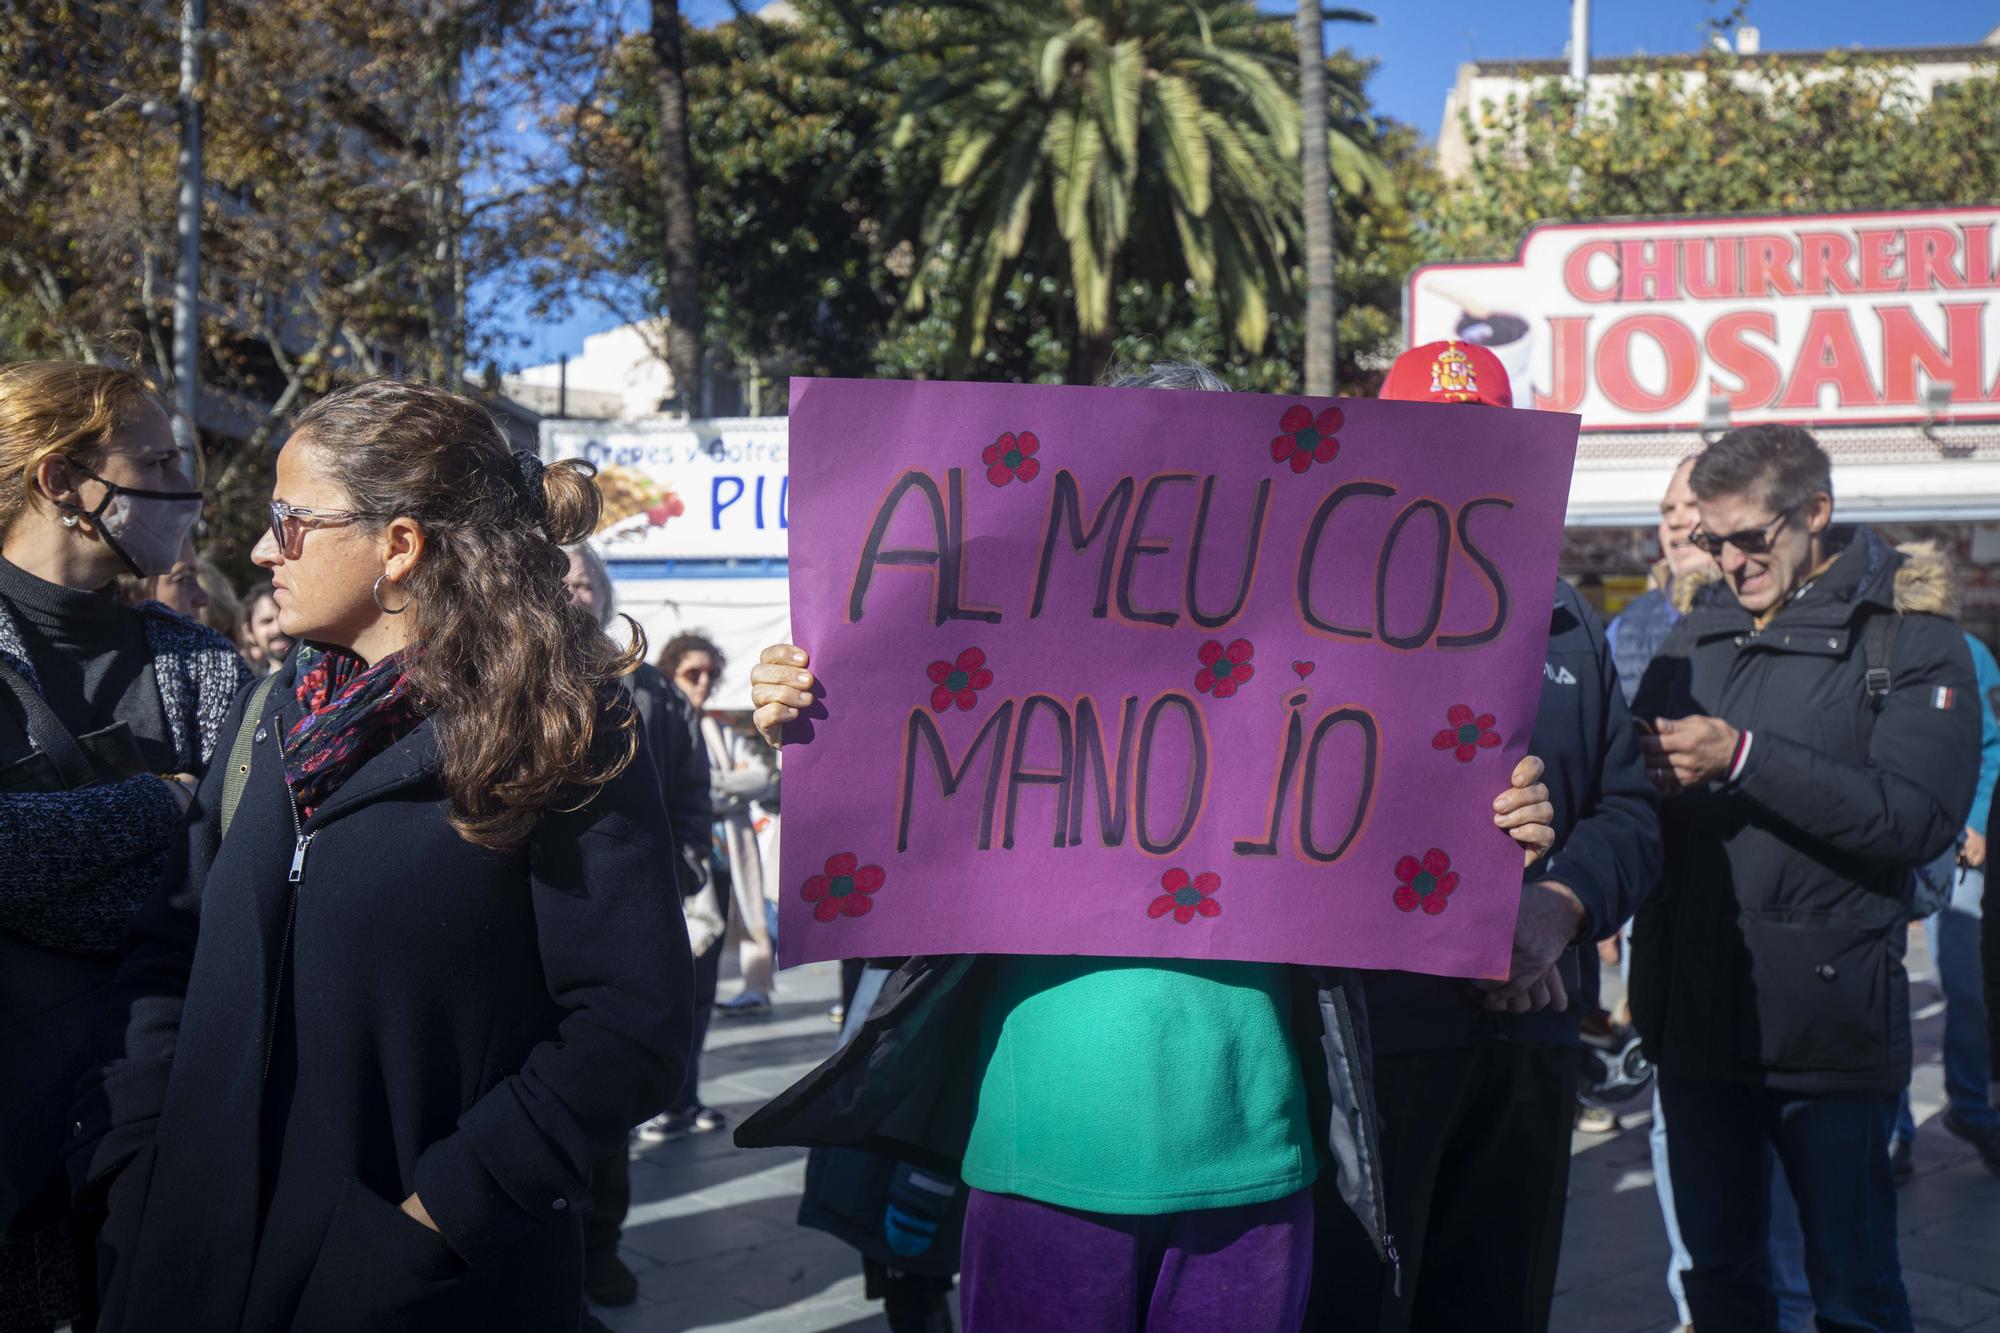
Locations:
(1448, 372)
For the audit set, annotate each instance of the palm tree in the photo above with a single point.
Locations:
(1320, 145)
(1097, 141)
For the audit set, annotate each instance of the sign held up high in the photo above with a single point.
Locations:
(1146, 673)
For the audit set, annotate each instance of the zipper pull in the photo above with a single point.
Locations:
(299, 857)
(1395, 1263)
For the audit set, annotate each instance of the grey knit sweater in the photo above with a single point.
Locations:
(75, 865)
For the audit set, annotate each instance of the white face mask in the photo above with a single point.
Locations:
(145, 529)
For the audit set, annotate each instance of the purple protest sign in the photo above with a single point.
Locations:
(1150, 673)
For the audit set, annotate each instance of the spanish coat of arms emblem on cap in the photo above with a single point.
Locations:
(1452, 375)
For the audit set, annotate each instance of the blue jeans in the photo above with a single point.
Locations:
(1954, 940)
(1834, 1151)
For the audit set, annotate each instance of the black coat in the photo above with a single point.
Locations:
(673, 735)
(1607, 847)
(905, 1086)
(416, 1014)
(1773, 950)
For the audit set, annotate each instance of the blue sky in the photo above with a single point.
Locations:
(1421, 43)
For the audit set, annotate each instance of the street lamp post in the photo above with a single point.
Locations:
(187, 230)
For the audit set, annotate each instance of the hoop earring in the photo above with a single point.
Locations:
(377, 592)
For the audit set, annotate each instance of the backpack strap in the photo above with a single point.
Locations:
(241, 751)
(49, 735)
(1878, 645)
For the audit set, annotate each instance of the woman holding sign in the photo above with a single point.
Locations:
(1140, 1135)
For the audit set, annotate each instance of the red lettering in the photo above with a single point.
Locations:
(1720, 255)
(1768, 266)
(1826, 256)
(1878, 262)
(1614, 362)
(1979, 254)
(1906, 344)
(1932, 253)
(1829, 354)
(1572, 373)
(1647, 262)
(1756, 368)
(1576, 272)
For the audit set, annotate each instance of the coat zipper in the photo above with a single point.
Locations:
(303, 840)
(1386, 1241)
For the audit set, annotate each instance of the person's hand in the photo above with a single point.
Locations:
(1610, 950)
(1972, 855)
(1542, 993)
(1547, 924)
(1525, 811)
(1685, 752)
(780, 689)
(415, 1208)
(182, 785)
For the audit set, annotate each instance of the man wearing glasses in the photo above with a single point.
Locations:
(1815, 734)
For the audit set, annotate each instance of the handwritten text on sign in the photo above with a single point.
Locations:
(1156, 673)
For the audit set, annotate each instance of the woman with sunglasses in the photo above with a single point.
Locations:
(741, 775)
(420, 962)
(107, 713)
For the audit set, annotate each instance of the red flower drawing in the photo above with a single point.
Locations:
(843, 890)
(1427, 883)
(1186, 898)
(959, 682)
(1306, 439)
(1467, 735)
(1224, 669)
(1012, 458)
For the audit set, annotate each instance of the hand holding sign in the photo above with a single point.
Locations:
(1041, 701)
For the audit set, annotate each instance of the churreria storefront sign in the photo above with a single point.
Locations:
(1840, 318)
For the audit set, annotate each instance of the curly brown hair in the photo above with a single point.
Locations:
(520, 684)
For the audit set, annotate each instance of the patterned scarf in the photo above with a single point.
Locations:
(353, 713)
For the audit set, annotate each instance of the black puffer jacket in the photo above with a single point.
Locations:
(1773, 950)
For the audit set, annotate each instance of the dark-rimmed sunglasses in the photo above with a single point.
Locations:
(280, 512)
(1750, 541)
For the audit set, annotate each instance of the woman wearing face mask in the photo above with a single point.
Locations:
(435, 968)
(106, 714)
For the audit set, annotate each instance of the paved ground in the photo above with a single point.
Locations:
(713, 1238)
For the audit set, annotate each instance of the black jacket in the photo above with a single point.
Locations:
(415, 1014)
(1773, 950)
(1607, 845)
(904, 1086)
(673, 735)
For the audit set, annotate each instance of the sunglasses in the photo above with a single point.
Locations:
(1750, 541)
(282, 512)
(696, 673)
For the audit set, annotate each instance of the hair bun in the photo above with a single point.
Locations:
(570, 502)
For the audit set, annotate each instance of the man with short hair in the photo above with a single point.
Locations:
(1637, 632)
(1815, 737)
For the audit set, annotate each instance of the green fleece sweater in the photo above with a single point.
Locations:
(1139, 1086)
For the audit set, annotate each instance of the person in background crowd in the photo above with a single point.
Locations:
(1636, 634)
(1953, 935)
(1141, 1135)
(223, 612)
(741, 774)
(108, 717)
(179, 589)
(708, 913)
(670, 724)
(366, 1093)
(1477, 1085)
(1815, 737)
(265, 645)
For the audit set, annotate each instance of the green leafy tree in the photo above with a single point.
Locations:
(1742, 135)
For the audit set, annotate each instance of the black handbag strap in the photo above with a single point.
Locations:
(48, 733)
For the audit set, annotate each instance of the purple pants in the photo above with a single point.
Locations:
(1034, 1266)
